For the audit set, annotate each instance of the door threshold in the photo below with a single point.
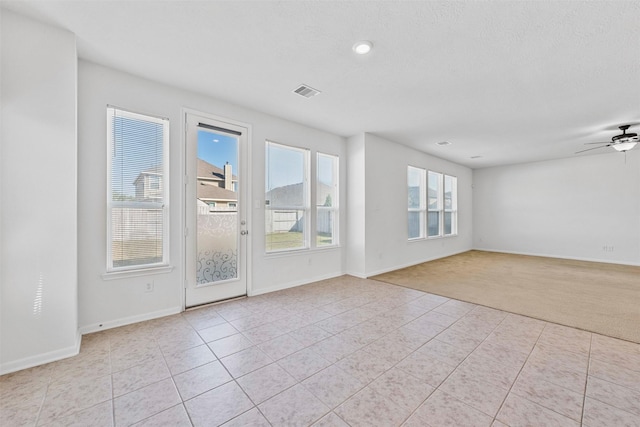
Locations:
(208, 304)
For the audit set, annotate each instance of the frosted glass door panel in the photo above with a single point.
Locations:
(217, 208)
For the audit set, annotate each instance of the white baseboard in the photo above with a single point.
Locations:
(358, 275)
(87, 329)
(606, 261)
(295, 283)
(41, 359)
(398, 267)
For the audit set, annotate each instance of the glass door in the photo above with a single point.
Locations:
(216, 221)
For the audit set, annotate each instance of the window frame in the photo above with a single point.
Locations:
(306, 206)
(454, 206)
(440, 205)
(164, 265)
(335, 201)
(422, 205)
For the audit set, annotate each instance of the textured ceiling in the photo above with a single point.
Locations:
(509, 81)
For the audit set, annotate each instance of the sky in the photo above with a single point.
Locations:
(137, 147)
(218, 149)
(284, 165)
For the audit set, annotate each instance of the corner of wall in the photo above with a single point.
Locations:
(39, 246)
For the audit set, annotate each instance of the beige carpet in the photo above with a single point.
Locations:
(596, 297)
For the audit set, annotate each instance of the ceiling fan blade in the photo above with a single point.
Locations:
(587, 143)
(594, 148)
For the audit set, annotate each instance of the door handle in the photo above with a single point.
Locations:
(244, 232)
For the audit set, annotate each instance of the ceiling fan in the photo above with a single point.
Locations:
(623, 142)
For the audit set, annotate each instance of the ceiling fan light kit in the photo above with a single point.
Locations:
(621, 143)
(624, 146)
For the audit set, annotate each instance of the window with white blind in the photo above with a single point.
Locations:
(327, 200)
(137, 191)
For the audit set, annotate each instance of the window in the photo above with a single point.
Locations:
(232, 205)
(137, 200)
(416, 202)
(442, 206)
(327, 200)
(212, 206)
(154, 182)
(434, 204)
(450, 205)
(287, 201)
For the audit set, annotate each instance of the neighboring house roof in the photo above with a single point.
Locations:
(213, 192)
(209, 171)
(291, 195)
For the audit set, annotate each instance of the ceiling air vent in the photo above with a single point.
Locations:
(306, 91)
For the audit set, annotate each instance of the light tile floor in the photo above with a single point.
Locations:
(339, 352)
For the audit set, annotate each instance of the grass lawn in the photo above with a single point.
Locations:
(291, 240)
(136, 252)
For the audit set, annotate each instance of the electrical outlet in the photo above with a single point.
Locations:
(149, 287)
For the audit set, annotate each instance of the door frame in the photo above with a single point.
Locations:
(247, 168)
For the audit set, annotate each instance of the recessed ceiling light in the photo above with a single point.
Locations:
(443, 143)
(363, 47)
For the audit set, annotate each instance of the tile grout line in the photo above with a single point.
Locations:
(387, 334)
(495, 417)
(276, 302)
(233, 379)
(564, 388)
(456, 367)
(113, 400)
(43, 400)
(608, 382)
(586, 382)
(331, 410)
(173, 381)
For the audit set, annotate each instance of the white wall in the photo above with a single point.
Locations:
(113, 302)
(38, 167)
(356, 214)
(567, 208)
(386, 245)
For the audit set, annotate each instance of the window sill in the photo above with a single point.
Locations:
(442, 237)
(416, 239)
(304, 251)
(114, 275)
(422, 239)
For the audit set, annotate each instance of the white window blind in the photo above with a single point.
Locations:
(137, 195)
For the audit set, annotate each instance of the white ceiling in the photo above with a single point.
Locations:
(511, 81)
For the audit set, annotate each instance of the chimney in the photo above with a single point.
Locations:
(228, 175)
